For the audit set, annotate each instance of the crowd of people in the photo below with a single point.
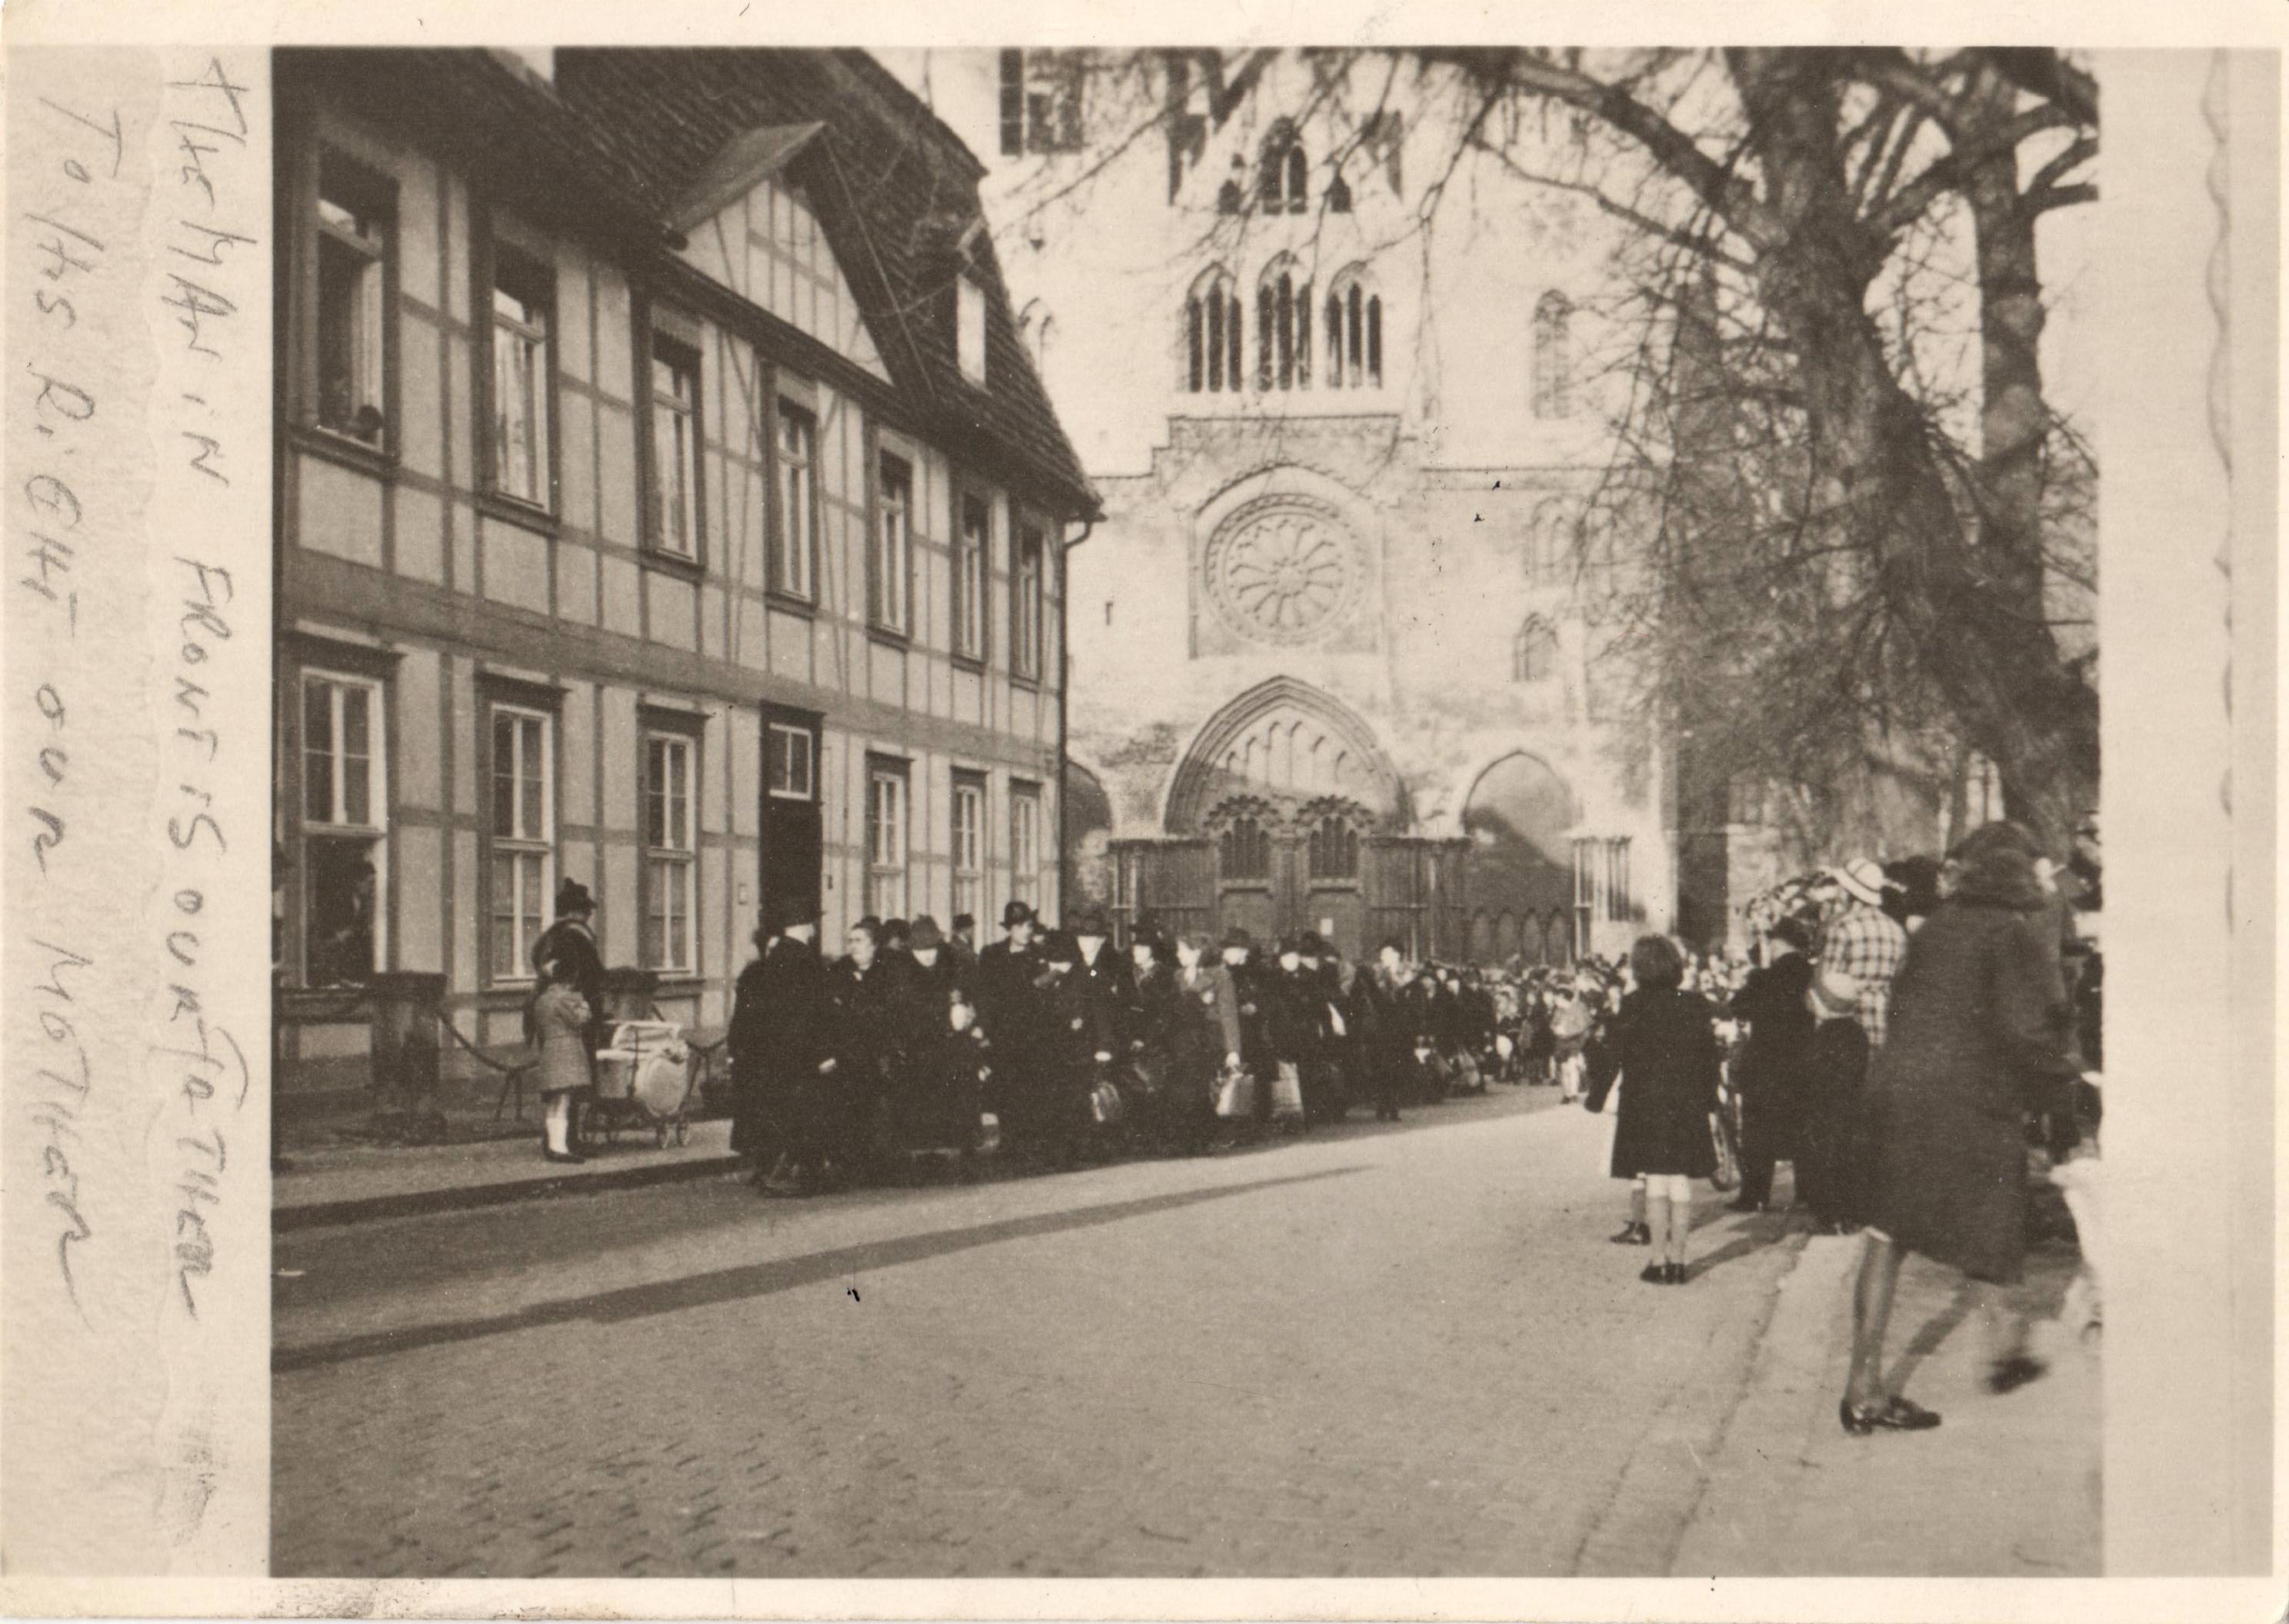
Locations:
(1054, 1047)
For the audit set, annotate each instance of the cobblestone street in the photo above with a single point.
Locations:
(1377, 1351)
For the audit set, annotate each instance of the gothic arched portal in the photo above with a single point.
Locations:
(1519, 820)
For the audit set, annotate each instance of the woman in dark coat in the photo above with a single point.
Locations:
(1664, 1045)
(1152, 1040)
(1205, 1039)
(1979, 1025)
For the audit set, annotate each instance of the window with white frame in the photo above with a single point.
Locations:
(972, 547)
(970, 321)
(790, 774)
(795, 545)
(345, 828)
(1029, 566)
(890, 574)
(521, 850)
(355, 213)
(671, 869)
(525, 297)
(675, 447)
(886, 839)
(1618, 878)
(1026, 844)
(969, 832)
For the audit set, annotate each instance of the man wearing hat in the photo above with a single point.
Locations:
(962, 940)
(1107, 980)
(1004, 983)
(780, 1045)
(1864, 942)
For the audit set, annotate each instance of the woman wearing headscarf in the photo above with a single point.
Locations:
(1979, 1026)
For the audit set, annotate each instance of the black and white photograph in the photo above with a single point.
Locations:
(1103, 812)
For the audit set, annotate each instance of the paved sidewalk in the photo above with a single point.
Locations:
(2004, 1487)
(353, 1183)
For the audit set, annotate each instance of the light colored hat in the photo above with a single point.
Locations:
(1864, 879)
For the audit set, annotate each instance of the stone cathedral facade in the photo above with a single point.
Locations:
(1330, 664)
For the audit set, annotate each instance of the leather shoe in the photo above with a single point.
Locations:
(563, 1156)
(1894, 1414)
(1632, 1235)
(1654, 1274)
(2009, 1376)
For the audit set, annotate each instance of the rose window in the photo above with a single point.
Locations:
(1283, 574)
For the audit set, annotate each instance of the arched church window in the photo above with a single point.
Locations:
(1244, 851)
(1335, 849)
(1283, 328)
(1212, 333)
(1339, 196)
(1553, 360)
(1534, 652)
(1354, 332)
(1282, 172)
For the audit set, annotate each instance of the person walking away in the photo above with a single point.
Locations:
(1980, 1026)
(1664, 1048)
(1769, 1074)
(560, 1024)
(780, 1052)
(1152, 1018)
(1205, 1042)
(570, 944)
(1864, 942)
(1833, 1147)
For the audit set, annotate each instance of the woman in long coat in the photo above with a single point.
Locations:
(1978, 1024)
(1769, 1073)
(1664, 1045)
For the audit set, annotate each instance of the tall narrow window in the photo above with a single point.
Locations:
(886, 839)
(795, 545)
(890, 572)
(523, 854)
(1013, 103)
(1533, 653)
(1553, 360)
(524, 295)
(1212, 333)
(1354, 332)
(1283, 325)
(1587, 875)
(1616, 887)
(1025, 843)
(972, 548)
(345, 826)
(969, 328)
(1282, 171)
(1244, 849)
(675, 470)
(1333, 849)
(671, 853)
(969, 832)
(1028, 568)
(355, 214)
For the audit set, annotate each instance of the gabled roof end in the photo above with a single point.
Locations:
(742, 163)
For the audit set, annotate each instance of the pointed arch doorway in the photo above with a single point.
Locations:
(1286, 816)
(1518, 821)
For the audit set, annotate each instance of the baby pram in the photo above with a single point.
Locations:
(645, 1081)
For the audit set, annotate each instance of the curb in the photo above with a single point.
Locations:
(365, 1209)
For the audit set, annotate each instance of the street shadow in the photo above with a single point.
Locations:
(1931, 1333)
(762, 1279)
(1740, 1247)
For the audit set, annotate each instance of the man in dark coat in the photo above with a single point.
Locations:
(779, 1043)
(1385, 1044)
(871, 1006)
(1072, 1046)
(1003, 985)
(1247, 979)
(1979, 1027)
(1769, 1072)
(1107, 979)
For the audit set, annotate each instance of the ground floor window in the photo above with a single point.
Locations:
(671, 853)
(345, 801)
(521, 857)
(969, 834)
(886, 839)
(1026, 844)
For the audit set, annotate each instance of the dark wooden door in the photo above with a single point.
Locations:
(794, 830)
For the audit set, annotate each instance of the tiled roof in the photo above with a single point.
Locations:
(629, 132)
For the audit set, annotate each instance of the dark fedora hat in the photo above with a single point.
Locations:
(1089, 922)
(925, 935)
(1014, 912)
(1238, 937)
(573, 897)
(785, 911)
